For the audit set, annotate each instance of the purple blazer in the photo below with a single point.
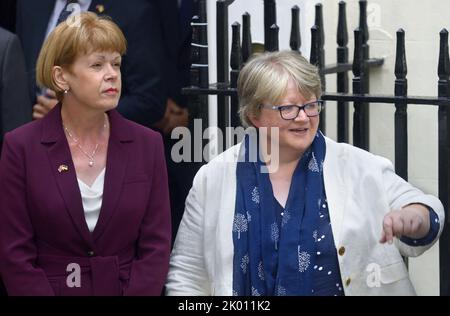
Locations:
(42, 225)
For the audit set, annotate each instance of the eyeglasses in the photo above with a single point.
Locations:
(290, 112)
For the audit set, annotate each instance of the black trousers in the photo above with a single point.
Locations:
(180, 176)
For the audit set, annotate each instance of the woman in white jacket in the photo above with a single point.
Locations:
(306, 215)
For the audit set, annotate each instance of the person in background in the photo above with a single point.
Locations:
(14, 101)
(84, 198)
(306, 215)
(176, 18)
(142, 98)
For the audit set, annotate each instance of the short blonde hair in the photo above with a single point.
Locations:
(265, 79)
(85, 34)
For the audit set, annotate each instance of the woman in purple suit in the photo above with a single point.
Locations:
(84, 201)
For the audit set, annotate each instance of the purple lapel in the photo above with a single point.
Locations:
(116, 166)
(59, 155)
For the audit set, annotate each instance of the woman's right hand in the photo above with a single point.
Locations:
(412, 221)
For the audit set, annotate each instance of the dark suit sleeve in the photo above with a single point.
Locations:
(149, 271)
(17, 249)
(177, 45)
(15, 102)
(143, 96)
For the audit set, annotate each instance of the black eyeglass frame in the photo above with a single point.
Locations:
(299, 107)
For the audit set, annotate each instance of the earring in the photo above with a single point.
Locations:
(65, 91)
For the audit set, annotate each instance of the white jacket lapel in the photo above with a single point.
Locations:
(335, 186)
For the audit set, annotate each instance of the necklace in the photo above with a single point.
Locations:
(91, 157)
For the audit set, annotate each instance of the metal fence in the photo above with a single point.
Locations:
(227, 102)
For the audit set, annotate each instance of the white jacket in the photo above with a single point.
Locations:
(360, 187)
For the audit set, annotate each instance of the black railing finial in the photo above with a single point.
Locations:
(247, 49)
(400, 58)
(443, 67)
(342, 35)
(236, 55)
(295, 40)
(315, 52)
(319, 22)
(270, 18)
(272, 44)
(363, 21)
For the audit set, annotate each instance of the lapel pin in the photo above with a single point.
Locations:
(100, 8)
(63, 168)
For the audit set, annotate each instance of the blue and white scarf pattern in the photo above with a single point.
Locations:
(276, 257)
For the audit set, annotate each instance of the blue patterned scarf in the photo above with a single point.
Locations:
(271, 256)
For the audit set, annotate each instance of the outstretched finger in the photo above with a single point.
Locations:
(383, 237)
(388, 229)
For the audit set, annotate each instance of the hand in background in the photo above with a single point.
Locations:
(412, 221)
(174, 116)
(44, 104)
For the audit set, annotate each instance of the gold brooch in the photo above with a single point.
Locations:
(63, 168)
(100, 8)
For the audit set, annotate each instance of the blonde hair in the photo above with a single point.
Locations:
(265, 79)
(86, 34)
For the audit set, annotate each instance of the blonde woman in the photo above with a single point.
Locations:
(84, 197)
(319, 223)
